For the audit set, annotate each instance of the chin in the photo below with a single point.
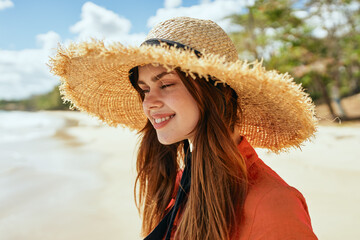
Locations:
(168, 141)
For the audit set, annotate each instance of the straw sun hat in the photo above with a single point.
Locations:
(276, 113)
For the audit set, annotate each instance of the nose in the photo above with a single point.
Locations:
(152, 100)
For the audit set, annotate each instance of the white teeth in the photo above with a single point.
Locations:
(159, 120)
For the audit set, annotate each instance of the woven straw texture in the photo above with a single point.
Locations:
(277, 114)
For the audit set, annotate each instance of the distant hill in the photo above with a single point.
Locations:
(48, 101)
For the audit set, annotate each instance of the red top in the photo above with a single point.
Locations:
(273, 210)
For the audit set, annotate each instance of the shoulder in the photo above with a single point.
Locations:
(281, 213)
(281, 203)
(275, 210)
(271, 192)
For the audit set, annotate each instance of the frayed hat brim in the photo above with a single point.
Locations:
(276, 113)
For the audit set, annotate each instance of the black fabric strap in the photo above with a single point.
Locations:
(164, 228)
(158, 41)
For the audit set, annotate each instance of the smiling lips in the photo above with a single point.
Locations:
(160, 120)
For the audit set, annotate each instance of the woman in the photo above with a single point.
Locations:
(196, 105)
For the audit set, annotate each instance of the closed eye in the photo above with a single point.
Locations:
(144, 90)
(166, 85)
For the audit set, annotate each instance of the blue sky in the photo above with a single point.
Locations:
(31, 30)
(20, 24)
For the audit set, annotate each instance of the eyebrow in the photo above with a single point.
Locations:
(157, 77)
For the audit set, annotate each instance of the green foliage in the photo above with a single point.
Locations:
(48, 101)
(325, 66)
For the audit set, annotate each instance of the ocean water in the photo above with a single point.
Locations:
(18, 127)
(27, 141)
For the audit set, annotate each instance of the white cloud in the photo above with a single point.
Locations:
(301, 14)
(24, 73)
(100, 23)
(6, 4)
(319, 32)
(216, 10)
(331, 16)
(172, 3)
(48, 41)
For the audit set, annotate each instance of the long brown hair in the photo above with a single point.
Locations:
(218, 171)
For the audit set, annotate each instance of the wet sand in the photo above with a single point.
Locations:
(78, 182)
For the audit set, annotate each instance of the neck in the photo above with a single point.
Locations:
(190, 145)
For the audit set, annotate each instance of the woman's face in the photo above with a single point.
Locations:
(168, 105)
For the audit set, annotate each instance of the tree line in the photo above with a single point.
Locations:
(47, 101)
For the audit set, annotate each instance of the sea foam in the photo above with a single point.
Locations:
(17, 126)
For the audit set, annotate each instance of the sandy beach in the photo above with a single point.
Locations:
(65, 176)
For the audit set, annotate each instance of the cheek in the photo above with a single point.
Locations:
(187, 106)
(195, 116)
(145, 111)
